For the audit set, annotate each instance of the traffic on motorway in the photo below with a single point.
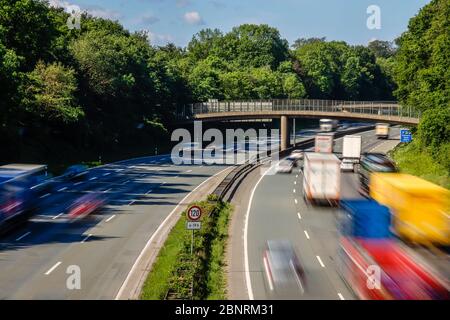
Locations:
(345, 224)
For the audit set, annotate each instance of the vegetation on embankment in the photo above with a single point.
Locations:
(176, 274)
(414, 160)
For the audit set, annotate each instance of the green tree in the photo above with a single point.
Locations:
(292, 86)
(204, 79)
(50, 93)
(205, 43)
(382, 49)
(29, 28)
(255, 46)
(422, 69)
(303, 41)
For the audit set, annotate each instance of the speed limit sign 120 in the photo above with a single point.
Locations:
(194, 213)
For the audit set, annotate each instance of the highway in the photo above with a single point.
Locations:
(277, 211)
(35, 258)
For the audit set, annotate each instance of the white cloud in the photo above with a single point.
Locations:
(193, 18)
(93, 10)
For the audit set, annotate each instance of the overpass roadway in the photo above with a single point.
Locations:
(277, 211)
(34, 258)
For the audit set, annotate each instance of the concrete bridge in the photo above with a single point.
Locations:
(380, 111)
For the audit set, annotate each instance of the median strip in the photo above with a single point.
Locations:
(177, 274)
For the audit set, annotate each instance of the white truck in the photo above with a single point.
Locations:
(382, 130)
(351, 152)
(324, 142)
(328, 125)
(321, 177)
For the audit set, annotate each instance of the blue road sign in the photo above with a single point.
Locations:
(405, 135)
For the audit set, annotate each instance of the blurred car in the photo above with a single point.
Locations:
(295, 156)
(370, 163)
(74, 172)
(86, 205)
(285, 166)
(283, 271)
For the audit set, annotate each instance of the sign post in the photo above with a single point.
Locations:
(194, 213)
(405, 135)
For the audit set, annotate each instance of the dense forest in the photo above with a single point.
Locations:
(101, 87)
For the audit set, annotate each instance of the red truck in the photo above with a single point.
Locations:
(377, 266)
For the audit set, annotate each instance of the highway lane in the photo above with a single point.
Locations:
(35, 258)
(278, 211)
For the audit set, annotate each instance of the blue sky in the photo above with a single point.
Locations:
(177, 20)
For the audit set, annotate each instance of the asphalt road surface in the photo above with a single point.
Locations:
(38, 258)
(278, 211)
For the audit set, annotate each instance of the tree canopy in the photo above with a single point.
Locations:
(102, 85)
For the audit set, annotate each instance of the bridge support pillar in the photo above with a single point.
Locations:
(284, 132)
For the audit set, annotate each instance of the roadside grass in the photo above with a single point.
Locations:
(412, 159)
(156, 284)
(179, 275)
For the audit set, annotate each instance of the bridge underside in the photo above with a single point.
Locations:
(223, 116)
(284, 116)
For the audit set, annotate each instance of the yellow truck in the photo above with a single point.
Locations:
(382, 130)
(420, 208)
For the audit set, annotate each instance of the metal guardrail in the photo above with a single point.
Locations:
(380, 108)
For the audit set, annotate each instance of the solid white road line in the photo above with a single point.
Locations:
(110, 218)
(87, 237)
(306, 234)
(58, 215)
(127, 279)
(299, 215)
(320, 261)
(341, 296)
(62, 189)
(53, 268)
(246, 262)
(23, 236)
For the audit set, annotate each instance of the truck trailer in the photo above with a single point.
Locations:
(420, 208)
(351, 152)
(324, 142)
(321, 177)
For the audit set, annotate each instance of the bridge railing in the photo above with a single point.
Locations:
(382, 108)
